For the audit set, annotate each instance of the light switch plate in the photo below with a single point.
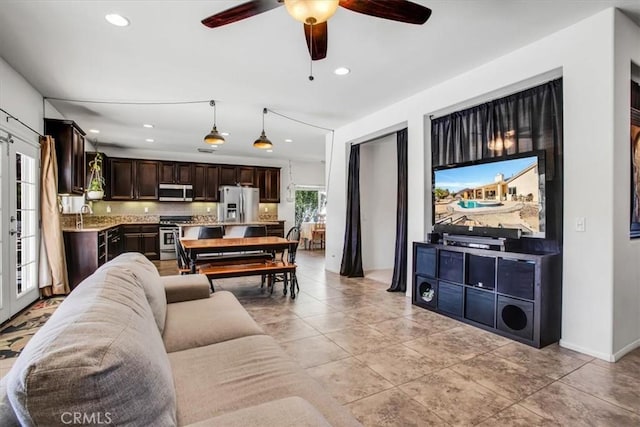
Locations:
(581, 224)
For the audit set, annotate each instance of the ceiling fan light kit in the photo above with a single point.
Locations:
(214, 137)
(315, 13)
(311, 11)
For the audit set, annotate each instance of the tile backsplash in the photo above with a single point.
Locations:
(143, 211)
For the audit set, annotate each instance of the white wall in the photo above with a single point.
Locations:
(378, 202)
(584, 53)
(626, 279)
(21, 100)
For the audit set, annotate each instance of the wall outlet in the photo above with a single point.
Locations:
(108, 209)
(266, 210)
(146, 209)
(581, 224)
(208, 209)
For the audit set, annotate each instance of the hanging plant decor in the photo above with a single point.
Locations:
(95, 190)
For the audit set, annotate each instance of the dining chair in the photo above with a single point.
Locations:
(318, 235)
(181, 255)
(293, 235)
(255, 231)
(206, 232)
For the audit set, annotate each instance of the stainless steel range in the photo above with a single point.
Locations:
(169, 225)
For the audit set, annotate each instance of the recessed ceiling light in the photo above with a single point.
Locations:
(224, 133)
(149, 139)
(288, 140)
(117, 20)
(342, 71)
(269, 151)
(94, 131)
(147, 125)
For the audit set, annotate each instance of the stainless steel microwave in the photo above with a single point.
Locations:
(175, 193)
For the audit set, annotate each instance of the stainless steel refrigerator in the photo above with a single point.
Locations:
(238, 204)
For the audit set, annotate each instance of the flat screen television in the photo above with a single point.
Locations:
(499, 197)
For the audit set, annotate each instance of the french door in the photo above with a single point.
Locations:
(20, 234)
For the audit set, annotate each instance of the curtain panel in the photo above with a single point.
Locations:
(52, 268)
(399, 279)
(351, 265)
(527, 121)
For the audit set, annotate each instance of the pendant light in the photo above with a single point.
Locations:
(263, 142)
(214, 138)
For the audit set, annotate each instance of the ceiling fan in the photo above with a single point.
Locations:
(315, 13)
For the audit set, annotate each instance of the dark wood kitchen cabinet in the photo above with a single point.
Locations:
(268, 180)
(205, 182)
(144, 239)
(121, 184)
(133, 179)
(69, 142)
(146, 180)
(85, 251)
(232, 175)
(176, 173)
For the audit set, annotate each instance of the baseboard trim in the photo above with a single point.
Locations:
(604, 356)
(626, 349)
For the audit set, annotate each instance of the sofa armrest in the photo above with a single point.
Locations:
(287, 412)
(186, 288)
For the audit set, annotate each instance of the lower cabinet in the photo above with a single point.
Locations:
(142, 238)
(517, 295)
(85, 251)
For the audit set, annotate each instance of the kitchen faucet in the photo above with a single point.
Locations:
(83, 209)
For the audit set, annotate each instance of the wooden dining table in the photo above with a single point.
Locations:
(194, 247)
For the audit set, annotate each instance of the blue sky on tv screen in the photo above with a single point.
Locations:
(456, 179)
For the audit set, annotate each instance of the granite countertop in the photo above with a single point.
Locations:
(94, 228)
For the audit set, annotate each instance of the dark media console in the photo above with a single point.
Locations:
(514, 294)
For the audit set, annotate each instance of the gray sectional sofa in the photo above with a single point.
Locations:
(130, 348)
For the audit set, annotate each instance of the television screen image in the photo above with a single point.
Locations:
(496, 194)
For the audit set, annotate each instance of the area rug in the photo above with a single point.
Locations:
(15, 334)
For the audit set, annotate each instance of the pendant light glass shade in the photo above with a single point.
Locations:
(214, 137)
(311, 11)
(263, 142)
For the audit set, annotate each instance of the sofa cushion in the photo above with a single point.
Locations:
(235, 374)
(287, 412)
(99, 354)
(7, 416)
(148, 275)
(186, 287)
(206, 321)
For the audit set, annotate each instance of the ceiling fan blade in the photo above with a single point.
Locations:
(243, 11)
(395, 10)
(316, 36)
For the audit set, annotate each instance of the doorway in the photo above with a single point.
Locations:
(378, 204)
(310, 214)
(19, 212)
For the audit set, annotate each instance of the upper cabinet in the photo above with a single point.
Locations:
(133, 179)
(205, 182)
(137, 179)
(233, 175)
(269, 184)
(176, 173)
(146, 179)
(69, 140)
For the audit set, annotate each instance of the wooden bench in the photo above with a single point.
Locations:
(264, 268)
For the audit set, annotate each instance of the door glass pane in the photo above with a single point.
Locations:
(26, 222)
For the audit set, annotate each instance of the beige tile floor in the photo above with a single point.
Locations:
(394, 364)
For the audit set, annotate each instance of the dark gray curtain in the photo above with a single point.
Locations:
(352, 251)
(530, 120)
(399, 280)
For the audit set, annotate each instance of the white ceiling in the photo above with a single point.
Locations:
(66, 49)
